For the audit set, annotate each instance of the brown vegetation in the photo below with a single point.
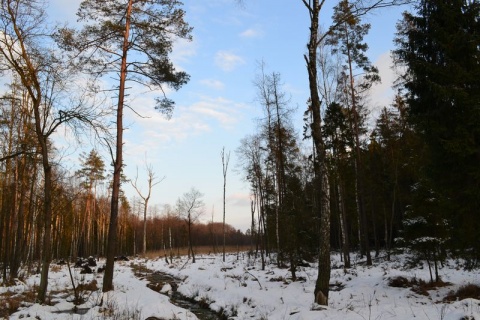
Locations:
(183, 251)
(464, 292)
(11, 301)
(418, 286)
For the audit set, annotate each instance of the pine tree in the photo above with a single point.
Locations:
(132, 39)
(347, 40)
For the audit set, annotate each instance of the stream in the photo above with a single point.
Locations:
(157, 280)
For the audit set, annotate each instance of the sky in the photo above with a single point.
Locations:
(217, 108)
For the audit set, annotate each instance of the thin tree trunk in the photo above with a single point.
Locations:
(359, 178)
(344, 225)
(47, 216)
(190, 245)
(225, 160)
(145, 227)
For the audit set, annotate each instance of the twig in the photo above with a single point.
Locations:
(77, 299)
(261, 288)
(184, 265)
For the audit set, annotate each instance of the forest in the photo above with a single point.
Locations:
(408, 181)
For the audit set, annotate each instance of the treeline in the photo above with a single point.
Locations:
(170, 233)
(408, 182)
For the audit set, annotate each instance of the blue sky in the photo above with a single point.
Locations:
(217, 107)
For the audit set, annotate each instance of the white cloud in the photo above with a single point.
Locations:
(183, 49)
(212, 83)
(228, 61)
(255, 32)
(153, 131)
(241, 199)
(382, 93)
(224, 111)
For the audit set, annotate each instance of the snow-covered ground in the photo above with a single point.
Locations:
(241, 289)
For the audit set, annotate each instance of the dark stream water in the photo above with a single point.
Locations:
(156, 282)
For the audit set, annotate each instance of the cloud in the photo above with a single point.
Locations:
(382, 93)
(239, 199)
(224, 111)
(153, 131)
(254, 32)
(228, 61)
(212, 83)
(182, 50)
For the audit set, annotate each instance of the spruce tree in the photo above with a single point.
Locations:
(439, 48)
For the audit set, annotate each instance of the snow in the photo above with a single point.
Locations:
(241, 289)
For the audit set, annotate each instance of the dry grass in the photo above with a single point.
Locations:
(55, 268)
(464, 292)
(183, 251)
(418, 286)
(10, 302)
(90, 286)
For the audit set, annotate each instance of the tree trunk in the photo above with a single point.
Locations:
(190, 245)
(359, 177)
(47, 216)
(344, 225)
(145, 227)
(118, 162)
(225, 161)
(322, 192)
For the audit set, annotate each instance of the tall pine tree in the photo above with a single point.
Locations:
(132, 39)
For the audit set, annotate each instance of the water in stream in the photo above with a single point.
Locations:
(156, 282)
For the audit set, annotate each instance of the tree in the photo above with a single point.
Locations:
(25, 52)
(338, 141)
(425, 229)
(225, 160)
(252, 156)
(321, 201)
(282, 169)
(190, 207)
(17, 168)
(347, 39)
(314, 8)
(151, 181)
(438, 49)
(92, 172)
(392, 166)
(132, 39)
(274, 126)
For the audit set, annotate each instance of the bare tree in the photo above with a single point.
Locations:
(190, 207)
(225, 160)
(25, 51)
(251, 155)
(152, 181)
